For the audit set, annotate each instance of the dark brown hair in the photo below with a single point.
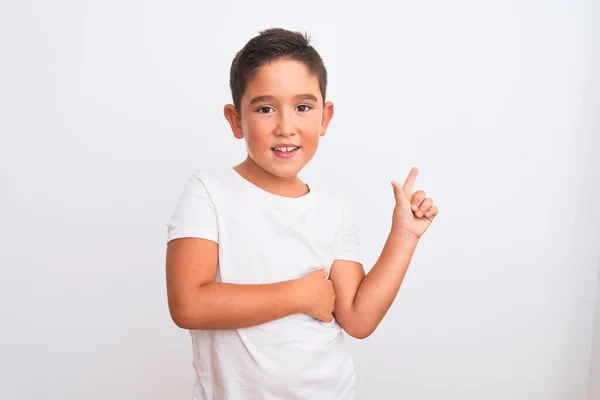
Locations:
(270, 45)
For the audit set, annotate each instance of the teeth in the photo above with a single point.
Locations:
(286, 149)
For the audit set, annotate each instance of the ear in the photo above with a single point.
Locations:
(234, 119)
(327, 115)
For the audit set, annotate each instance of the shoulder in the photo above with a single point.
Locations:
(195, 212)
(211, 176)
(333, 203)
(343, 217)
(206, 186)
(212, 180)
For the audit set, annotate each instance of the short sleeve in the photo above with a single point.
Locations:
(194, 214)
(348, 248)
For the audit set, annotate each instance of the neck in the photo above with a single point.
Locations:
(281, 186)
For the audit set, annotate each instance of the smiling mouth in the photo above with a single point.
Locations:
(285, 151)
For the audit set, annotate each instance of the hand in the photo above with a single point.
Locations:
(413, 212)
(316, 295)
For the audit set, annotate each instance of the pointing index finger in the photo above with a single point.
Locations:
(410, 181)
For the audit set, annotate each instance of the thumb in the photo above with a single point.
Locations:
(399, 194)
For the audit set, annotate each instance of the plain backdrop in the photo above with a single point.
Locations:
(107, 107)
(594, 379)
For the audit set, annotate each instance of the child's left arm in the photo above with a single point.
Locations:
(363, 300)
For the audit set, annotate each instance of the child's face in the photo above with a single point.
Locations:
(282, 106)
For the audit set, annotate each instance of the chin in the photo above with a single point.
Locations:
(286, 173)
(285, 170)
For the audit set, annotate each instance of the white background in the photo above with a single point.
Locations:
(107, 107)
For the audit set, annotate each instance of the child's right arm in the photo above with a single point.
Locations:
(196, 301)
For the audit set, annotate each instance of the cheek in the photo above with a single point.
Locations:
(256, 132)
(315, 122)
(312, 130)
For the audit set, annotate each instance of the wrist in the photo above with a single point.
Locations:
(404, 236)
(399, 248)
(296, 297)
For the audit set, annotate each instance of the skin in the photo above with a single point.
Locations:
(282, 103)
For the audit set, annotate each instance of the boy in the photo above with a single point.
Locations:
(265, 271)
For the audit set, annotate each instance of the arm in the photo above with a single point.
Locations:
(362, 301)
(196, 301)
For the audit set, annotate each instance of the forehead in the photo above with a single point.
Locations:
(282, 78)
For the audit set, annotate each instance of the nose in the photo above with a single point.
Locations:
(285, 124)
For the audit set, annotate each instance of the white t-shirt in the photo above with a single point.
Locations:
(265, 238)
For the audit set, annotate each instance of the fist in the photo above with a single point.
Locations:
(316, 295)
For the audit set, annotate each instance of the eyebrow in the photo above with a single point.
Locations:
(304, 96)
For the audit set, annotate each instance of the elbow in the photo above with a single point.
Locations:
(182, 317)
(355, 326)
(181, 322)
(188, 312)
(360, 333)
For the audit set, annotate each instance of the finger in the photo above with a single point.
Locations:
(431, 213)
(410, 181)
(329, 318)
(417, 199)
(425, 206)
(398, 192)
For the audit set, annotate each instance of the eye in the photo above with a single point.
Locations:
(304, 107)
(264, 110)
